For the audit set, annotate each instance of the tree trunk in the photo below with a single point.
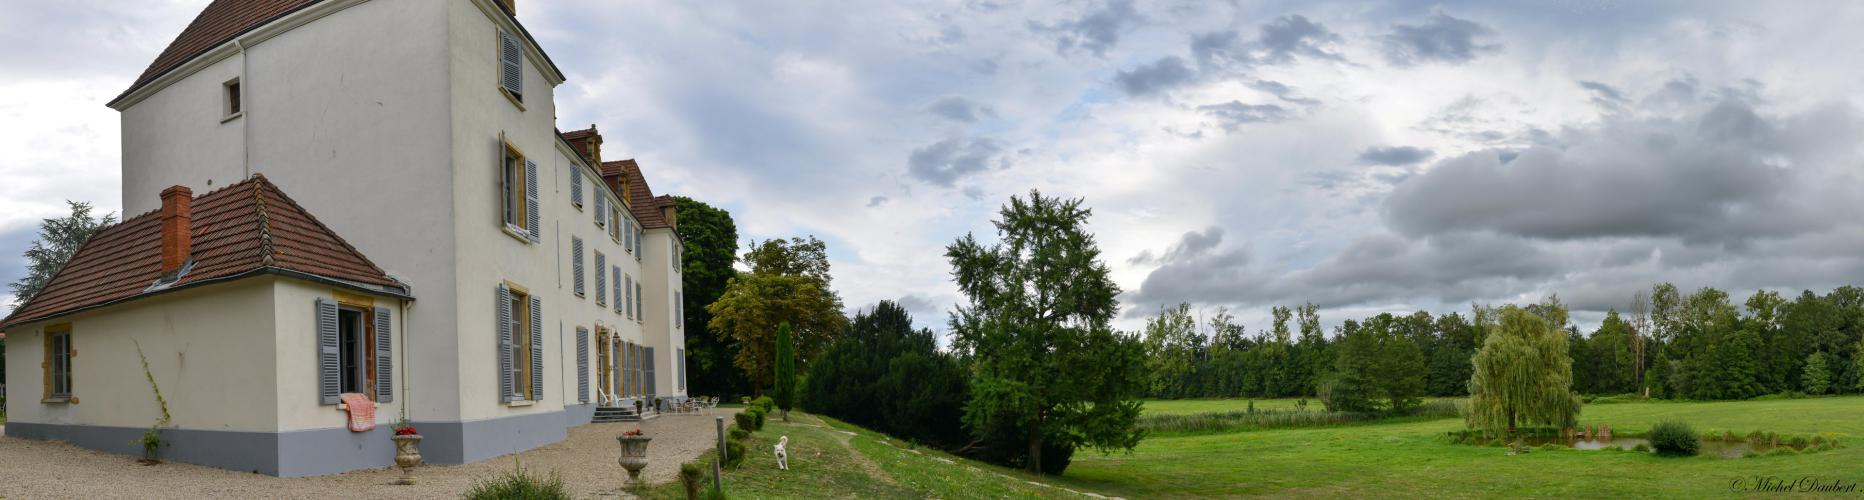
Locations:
(1511, 422)
(1035, 453)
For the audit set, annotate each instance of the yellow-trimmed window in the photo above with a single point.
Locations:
(58, 354)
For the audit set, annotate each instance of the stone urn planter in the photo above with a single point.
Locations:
(407, 455)
(633, 454)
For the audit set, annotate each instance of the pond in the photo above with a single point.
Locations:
(1716, 447)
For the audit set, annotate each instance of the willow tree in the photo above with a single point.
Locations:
(1523, 375)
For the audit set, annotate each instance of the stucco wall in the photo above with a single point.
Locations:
(348, 115)
(208, 347)
(295, 334)
(662, 283)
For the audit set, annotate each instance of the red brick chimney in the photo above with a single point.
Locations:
(177, 227)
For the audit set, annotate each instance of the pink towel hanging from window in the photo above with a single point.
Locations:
(361, 411)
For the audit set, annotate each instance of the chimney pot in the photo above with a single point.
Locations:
(177, 227)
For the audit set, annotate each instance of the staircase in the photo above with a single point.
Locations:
(622, 414)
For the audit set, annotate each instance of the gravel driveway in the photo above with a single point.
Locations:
(586, 462)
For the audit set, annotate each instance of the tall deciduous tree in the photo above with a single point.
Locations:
(59, 239)
(1169, 351)
(1049, 372)
(709, 241)
(789, 281)
(1523, 375)
(785, 392)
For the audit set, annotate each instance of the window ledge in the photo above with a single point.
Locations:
(521, 234)
(233, 116)
(514, 98)
(515, 404)
(59, 401)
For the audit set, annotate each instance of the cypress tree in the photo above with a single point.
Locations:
(785, 392)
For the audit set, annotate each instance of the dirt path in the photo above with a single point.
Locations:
(845, 439)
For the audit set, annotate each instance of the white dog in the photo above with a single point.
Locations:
(783, 453)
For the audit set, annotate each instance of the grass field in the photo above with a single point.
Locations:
(831, 459)
(1403, 458)
(1407, 459)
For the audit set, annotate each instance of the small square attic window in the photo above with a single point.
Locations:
(232, 104)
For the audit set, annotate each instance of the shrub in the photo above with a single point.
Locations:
(1797, 442)
(1757, 437)
(1729, 436)
(734, 452)
(760, 415)
(1641, 448)
(745, 420)
(764, 402)
(1750, 454)
(737, 433)
(517, 484)
(692, 477)
(1673, 438)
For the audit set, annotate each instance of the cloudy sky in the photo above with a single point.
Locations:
(1364, 156)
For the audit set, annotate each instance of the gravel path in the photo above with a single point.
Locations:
(586, 462)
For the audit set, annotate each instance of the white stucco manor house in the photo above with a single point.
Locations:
(364, 197)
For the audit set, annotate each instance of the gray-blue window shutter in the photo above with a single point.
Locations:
(530, 200)
(601, 209)
(582, 364)
(329, 376)
(511, 55)
(576, 186)
(576, 264)
(537, 348)
(628, 235)
(618, 288)
(384, 356)
(638, 306)
(629, 286)
(647, 372)
(601, 279)
(505, 387)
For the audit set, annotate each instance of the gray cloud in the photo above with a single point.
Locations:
(944, 162)
(1095, 31)
(1279, 41)
(1234, 114)
(959, 109)
(876, 201)
(1724, 174)
(1283, 91)
(1440, 39)
(1161, 75)
(1394, 155)
(1603, 95)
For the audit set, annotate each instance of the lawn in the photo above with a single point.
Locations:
(831, 459)
(1407, 459)
(1403, 458)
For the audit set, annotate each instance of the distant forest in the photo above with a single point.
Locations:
(1698, 346)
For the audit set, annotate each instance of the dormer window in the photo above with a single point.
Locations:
(231, 106)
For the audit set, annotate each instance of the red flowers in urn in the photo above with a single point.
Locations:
(405, 431)
(635, 432)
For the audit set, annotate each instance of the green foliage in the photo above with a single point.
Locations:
(764, 403)
(734, 452)
(1376, 368)
(738, 432)
(785, 391)
(1523, 375)
(1049, 373)
(1816, 378)
(517, 484)
(1172, 344)
(59, 239)
(692, 478)
(746, 420)
(1672, 438)
(789, 281)
(709, 246)
(151, 439)
(885, 376)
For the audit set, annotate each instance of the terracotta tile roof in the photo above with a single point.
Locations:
(219, 23)
(224, 20)
(644, 207)
(244, 227)
(582, 141)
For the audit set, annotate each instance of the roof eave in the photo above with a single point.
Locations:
(399, 292)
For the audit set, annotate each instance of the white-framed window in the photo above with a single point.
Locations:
(58, 354)
(232, 103)
(517, 179)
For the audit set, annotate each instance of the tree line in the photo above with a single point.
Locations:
(1669, 345)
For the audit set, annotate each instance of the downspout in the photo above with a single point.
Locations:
(407, 343)
(245, 103)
